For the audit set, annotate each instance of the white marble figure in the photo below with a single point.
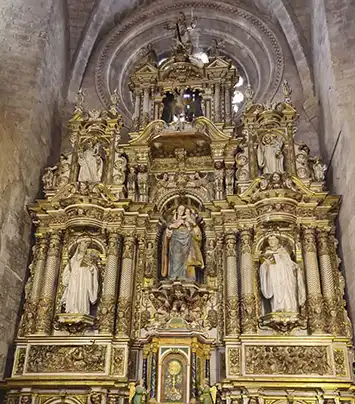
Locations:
(91, 164)
(80, 279)
(270, 155)
(281, 279)
(319, 169)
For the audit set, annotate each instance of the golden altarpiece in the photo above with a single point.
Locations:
(193, 263)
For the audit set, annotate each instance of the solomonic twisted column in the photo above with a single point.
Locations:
(46, 302)
(109, 292)
(328, 285)
(232, 303)
(247, 275)
(314, 297)
(123, 321)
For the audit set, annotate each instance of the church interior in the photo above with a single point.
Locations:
(176, 202)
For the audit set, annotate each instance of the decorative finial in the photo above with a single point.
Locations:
(114, 102)
(287, 91)
(79, 101)
(249, 95)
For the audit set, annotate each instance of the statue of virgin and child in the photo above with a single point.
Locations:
(181, 248)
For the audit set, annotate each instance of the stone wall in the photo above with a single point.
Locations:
(333, 36)
(33, 69)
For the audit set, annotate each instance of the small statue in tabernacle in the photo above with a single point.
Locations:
(270, 154)
(91, 164)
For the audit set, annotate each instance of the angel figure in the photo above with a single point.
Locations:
(137, 392)
(208, 394)
(48, 177)
(214, 49)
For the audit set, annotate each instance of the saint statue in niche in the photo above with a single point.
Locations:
(270, 155)
(281, 279)
(91, 164)
(181, 250)
(80, 279)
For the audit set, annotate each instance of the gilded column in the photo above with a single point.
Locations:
(193, 371)
(217, 102)
(37, 274)
(232, 303)
(314, 298)
(46, 302)
(153, 372)
(109, 290)
(247, 275)
(145, 366)
(328, 285)
(123, 324)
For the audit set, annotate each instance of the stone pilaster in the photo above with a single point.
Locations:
(314, 295)
(328, 285)
(217, 103)
(228, 105)
(231, 279)
(123, 323)
(109, 290)
(137, 107)
(247, 276)
(46, 301)
(145, 106)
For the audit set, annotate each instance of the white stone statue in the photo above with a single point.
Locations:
(281, 279)
(270, 155)
(91, 164)
(319, 169)
(80, 279)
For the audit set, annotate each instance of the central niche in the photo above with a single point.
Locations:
(182, 105)
(182, 244)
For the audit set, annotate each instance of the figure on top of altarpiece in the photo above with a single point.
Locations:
(181, 249)
(281, 279)
(182, 33)
(80, 280)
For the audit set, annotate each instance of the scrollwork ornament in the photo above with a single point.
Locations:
(95, 397)
(123, 316)
(113, 241)
(246, 241)
(323, 243)
(25, 399)
(340, 362)
(106, 314)
(232, 317)
(117, 361)
(230, 245)
(331, 315)
(128, 248)
(315, 309)
(44, 311)
(234, 361)
(248, 314)
(309, 241)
